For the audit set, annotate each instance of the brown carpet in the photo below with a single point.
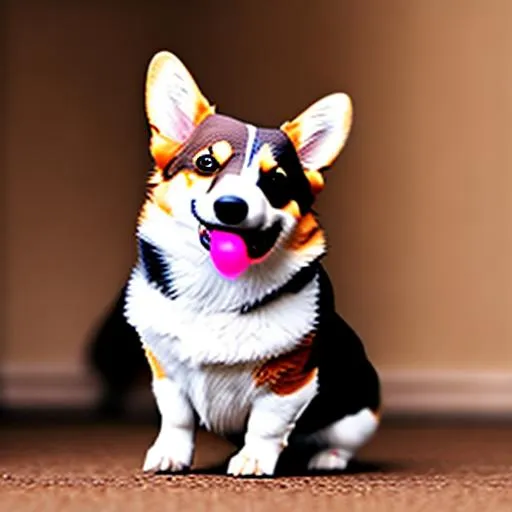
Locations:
(407, 467)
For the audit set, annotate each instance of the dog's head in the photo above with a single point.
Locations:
(245, 193)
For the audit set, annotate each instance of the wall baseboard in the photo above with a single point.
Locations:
(47, 386)
(448, 393)
(405, 393)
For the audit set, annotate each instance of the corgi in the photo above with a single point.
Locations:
(234, 311)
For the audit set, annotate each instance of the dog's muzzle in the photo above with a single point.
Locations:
(234, 249)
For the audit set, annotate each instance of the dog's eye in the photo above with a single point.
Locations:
(274, 184)
(277, 176)
(207, 164)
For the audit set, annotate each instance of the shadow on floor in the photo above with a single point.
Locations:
(294, 468)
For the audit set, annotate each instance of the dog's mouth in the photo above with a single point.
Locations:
(258, 242)
(233, 250)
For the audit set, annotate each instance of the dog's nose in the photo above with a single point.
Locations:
(230, 209)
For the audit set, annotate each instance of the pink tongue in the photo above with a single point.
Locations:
(229, 254)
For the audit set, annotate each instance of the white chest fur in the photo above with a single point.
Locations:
(211, 356)
(221, 395)
(176, 332)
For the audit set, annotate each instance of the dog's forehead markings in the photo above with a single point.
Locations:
(275, 140)
(266, 158)
(220, 133)
(254, 146)
(281, 153)
(264, 147)
(245, 149)
(245, 140)
(251, 164)
(222, 151)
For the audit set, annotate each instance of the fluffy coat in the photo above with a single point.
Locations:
(262, 355)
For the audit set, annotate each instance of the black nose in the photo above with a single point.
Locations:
(230, 209)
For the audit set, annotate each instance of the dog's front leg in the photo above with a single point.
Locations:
(173, 448)
(271, 421)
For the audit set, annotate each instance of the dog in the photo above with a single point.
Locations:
(234, 311)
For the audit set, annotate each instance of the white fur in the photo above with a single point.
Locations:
(330, 459)
(341, 440)
(172, 98)
(202, 289)
(174, 447)
(220, 394)
(226, 400)
(210, 350)
(207, 348)
(176, 332)
(325, 126)
(260, 214)
(251, 171)
(271, 421)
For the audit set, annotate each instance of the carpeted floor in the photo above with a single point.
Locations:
(407, 467)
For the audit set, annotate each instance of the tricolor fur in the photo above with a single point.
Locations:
(263, 355)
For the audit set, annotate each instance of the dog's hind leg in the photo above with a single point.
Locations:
(338, 442)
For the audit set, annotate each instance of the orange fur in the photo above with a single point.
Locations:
(162, 149)
(190, 179)
(293, 209)
(266, 159)
(293, 131)
(165, 60)
(316, 181)
(222, 151)
(156, 368)
(287, 373)
(159, 196)
(203, 109)
(307, 232)
(164, 193)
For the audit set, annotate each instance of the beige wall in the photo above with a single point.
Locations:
(417, 207)
(3, 133)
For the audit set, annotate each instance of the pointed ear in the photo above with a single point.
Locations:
(174, 105)
(320, 132)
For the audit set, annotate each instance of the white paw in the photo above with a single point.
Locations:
(249, 462)
(332, 459)
(169, 453)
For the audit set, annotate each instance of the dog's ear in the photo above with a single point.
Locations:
(319, 134)
(174, 105)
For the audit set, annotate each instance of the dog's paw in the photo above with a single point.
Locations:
(168, 455)
(332, 459)
(253, 463)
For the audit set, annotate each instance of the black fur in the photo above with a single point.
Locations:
(347, 380)
(156, 269)
(278, 189)
(296, 283)
(115, 355)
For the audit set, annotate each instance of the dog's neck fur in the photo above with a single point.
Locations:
(192, 279)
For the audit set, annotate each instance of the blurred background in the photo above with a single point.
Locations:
(417, 208)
